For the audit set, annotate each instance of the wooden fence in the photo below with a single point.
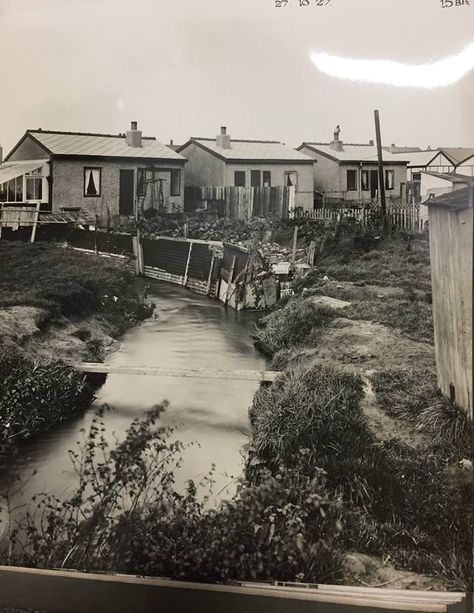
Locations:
(401, 216)
(240, 202)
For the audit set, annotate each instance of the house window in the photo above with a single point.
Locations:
(175, 188)
(34, 188)
(389, 179)
(255, 178)
(239, 178)
(291, 178)
(351, 180)
(12, 191)
(364, 179)
(267, 178)
(92, 182)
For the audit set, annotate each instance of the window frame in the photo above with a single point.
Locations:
(289, 173)
(99, 188)
(254, 173)
(269, 174)
(175, 171)
(389, 173)
(240, 172)
(354, 174)
(365, 173)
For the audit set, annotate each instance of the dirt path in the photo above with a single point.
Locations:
(363, 347)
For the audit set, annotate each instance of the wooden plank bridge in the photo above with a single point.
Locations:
(157, 371)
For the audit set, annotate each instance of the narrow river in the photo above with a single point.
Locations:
(189, 331)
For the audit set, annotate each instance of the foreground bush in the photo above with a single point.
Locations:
(126, 515)
(291, 326)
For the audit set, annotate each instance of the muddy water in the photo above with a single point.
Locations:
(189, 332)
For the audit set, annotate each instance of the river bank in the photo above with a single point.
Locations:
(358, 398)
(57, 307)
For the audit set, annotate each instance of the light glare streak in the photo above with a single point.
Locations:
(441, 73)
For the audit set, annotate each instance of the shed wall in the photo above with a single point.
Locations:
(451, 268)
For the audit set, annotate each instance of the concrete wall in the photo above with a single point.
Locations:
(304, 190)
(29, 150)
(202, 168)
(451, 268)
(68, 186)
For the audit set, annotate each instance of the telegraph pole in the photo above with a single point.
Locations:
(383, 204)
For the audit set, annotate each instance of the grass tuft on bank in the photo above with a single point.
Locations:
(292, 325)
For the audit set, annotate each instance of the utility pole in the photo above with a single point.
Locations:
(383, 204)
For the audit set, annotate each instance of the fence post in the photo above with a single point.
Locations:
(185, 280)
(138, 253)
(35, 223)
(231, 274)
(209, 278)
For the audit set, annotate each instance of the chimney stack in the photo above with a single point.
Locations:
(133, 136)
(223, 139)
(337, 144)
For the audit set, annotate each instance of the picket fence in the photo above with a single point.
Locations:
(400, 216)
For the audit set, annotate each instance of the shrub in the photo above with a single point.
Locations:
(291, 326)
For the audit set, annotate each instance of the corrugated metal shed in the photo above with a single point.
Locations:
(252, 150)
(357, 153)
(102, 145)
(11, 170)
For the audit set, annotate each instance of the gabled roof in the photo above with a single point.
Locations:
(457, 154)
(421, 158)
(454, 155)
(452, 177)
(354, 153)
(99, 145)
(250, 150)
(458, 199)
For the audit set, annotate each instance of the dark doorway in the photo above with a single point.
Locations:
(374, 183)
(126, 192)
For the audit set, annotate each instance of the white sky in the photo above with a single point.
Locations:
(186, 67)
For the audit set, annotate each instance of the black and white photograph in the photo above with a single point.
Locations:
(236, 273)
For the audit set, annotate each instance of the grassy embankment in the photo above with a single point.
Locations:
(55, 304)
(395, 450)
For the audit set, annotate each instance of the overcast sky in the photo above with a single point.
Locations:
(185, 67)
